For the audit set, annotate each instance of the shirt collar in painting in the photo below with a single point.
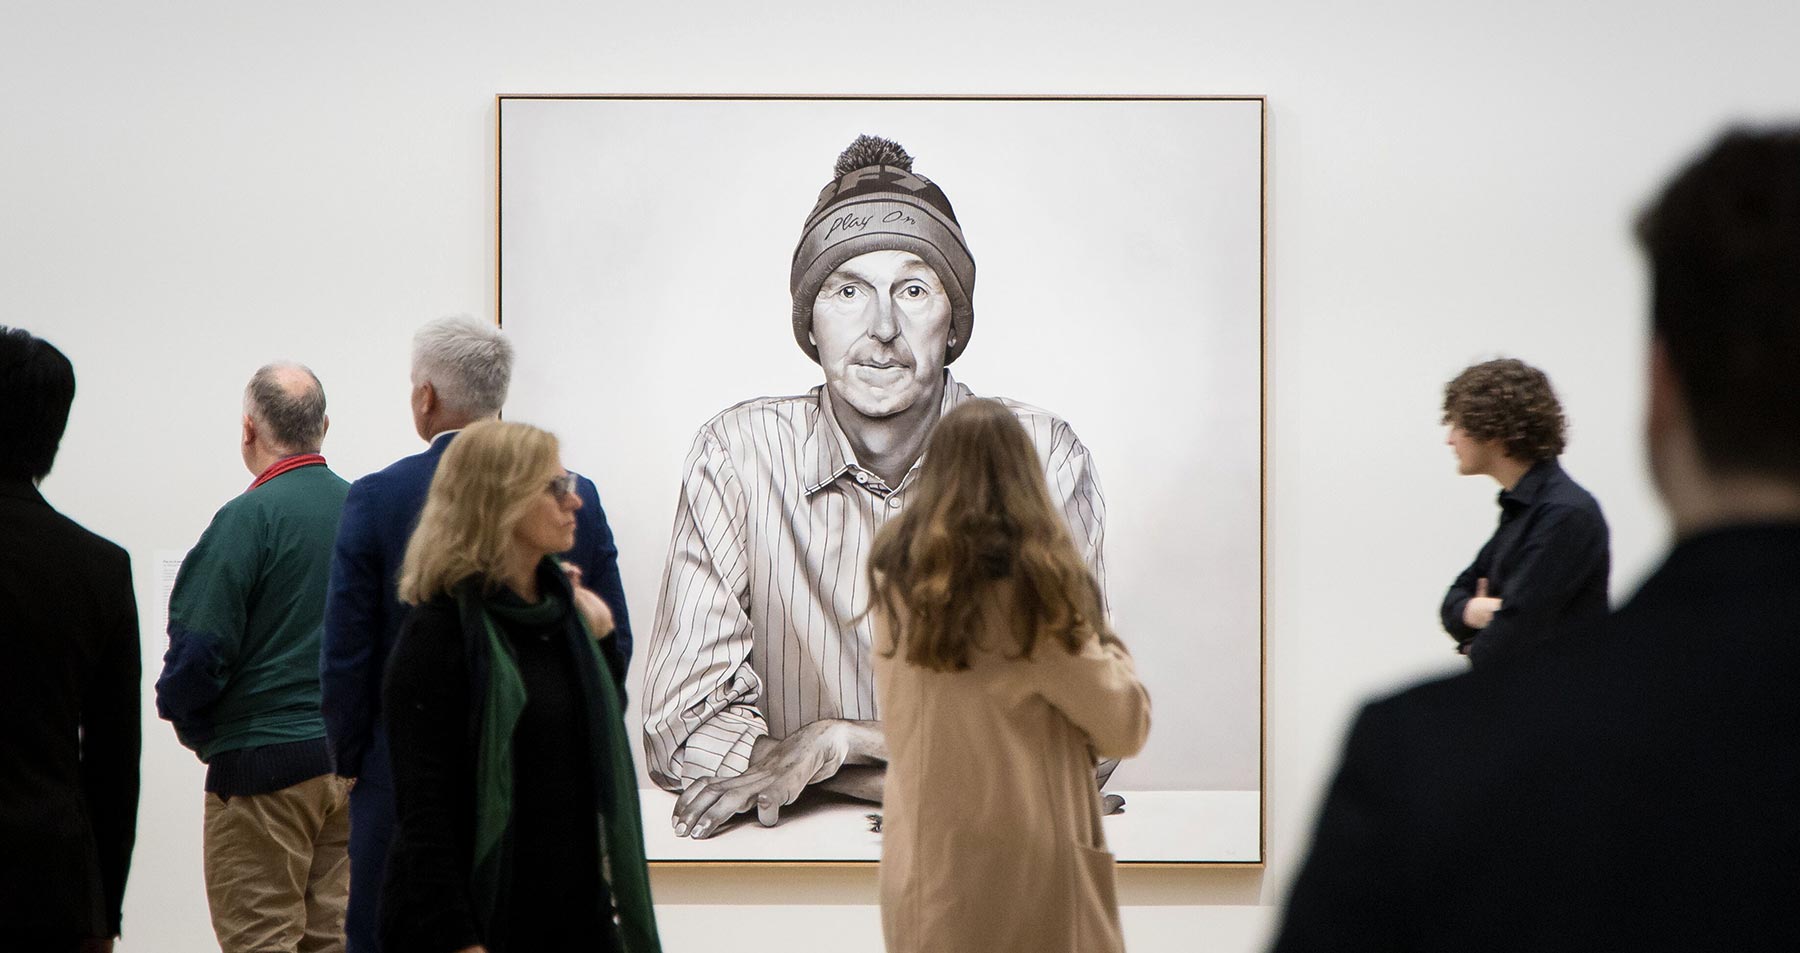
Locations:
(826, 454)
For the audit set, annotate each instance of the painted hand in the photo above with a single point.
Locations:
(1109, 803)
(779, 771)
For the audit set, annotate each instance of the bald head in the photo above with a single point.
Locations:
(287, 404)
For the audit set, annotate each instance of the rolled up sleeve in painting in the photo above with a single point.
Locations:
(700, 691)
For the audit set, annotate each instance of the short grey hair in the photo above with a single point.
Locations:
(467, 362)
(293, 415)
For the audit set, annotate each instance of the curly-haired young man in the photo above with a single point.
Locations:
(1545, 568)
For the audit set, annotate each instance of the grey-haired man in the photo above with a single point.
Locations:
(460, 372)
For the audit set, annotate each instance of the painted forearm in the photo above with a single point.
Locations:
(867, 743)
(864, 782)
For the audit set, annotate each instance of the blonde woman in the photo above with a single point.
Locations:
(998, 683)
(518, 825)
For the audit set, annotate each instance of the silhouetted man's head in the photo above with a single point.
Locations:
(37, 385)
(1723, 242)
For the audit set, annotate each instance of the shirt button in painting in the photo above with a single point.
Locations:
(894, 502)
(862, 477)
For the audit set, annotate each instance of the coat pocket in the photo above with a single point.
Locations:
(1096, 902)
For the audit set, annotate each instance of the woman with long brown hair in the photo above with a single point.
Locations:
(999, 684)
(518, 826)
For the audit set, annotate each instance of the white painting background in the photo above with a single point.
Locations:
(645, 254)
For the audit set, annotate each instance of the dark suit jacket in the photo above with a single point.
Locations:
(363, 613)
(1636, 789)
(69, 724)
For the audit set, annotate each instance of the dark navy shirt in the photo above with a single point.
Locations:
(1547, 562)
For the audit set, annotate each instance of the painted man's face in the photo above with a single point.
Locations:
(881, 323)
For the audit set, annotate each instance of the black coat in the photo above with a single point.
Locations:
(69, 704)
(1636, 789)
(555, 898)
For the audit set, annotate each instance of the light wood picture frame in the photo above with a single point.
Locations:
(643, 252)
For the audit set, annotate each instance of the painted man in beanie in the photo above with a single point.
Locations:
(760, 680)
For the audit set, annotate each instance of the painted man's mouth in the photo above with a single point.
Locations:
(880, 374)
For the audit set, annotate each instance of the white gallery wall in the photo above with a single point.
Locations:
(190, 190)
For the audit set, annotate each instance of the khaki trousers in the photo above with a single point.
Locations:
(278, 868)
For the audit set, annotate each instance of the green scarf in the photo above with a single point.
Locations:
(501, 700)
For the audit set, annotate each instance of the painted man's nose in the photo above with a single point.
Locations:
(882, 324)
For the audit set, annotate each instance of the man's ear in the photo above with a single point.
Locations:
(249, 431)
(324, 427)
(1664, 408)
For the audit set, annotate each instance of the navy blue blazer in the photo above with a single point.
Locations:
(363, 613)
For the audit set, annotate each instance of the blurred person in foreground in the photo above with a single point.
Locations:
(240, 682)
(999, 684)
(517, 813)
(1637, 788)
(461, 369)
(1545, 568)
(69, 687)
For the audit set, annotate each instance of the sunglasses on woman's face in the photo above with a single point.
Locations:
(562, 486)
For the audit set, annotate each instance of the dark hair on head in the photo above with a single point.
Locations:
(981, 512)
(295, 417)
(1723, 242)
(1510, 401)
(866, 151)
(37, 385)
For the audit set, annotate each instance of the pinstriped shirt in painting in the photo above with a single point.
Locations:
(757, 629)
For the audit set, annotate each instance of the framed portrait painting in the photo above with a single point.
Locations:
(665, 263)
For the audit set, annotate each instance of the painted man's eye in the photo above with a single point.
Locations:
(914, 291)
(847, 292)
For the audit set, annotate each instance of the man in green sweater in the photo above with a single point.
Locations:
(240, 682)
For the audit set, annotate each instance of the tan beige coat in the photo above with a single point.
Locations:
(991, 837)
